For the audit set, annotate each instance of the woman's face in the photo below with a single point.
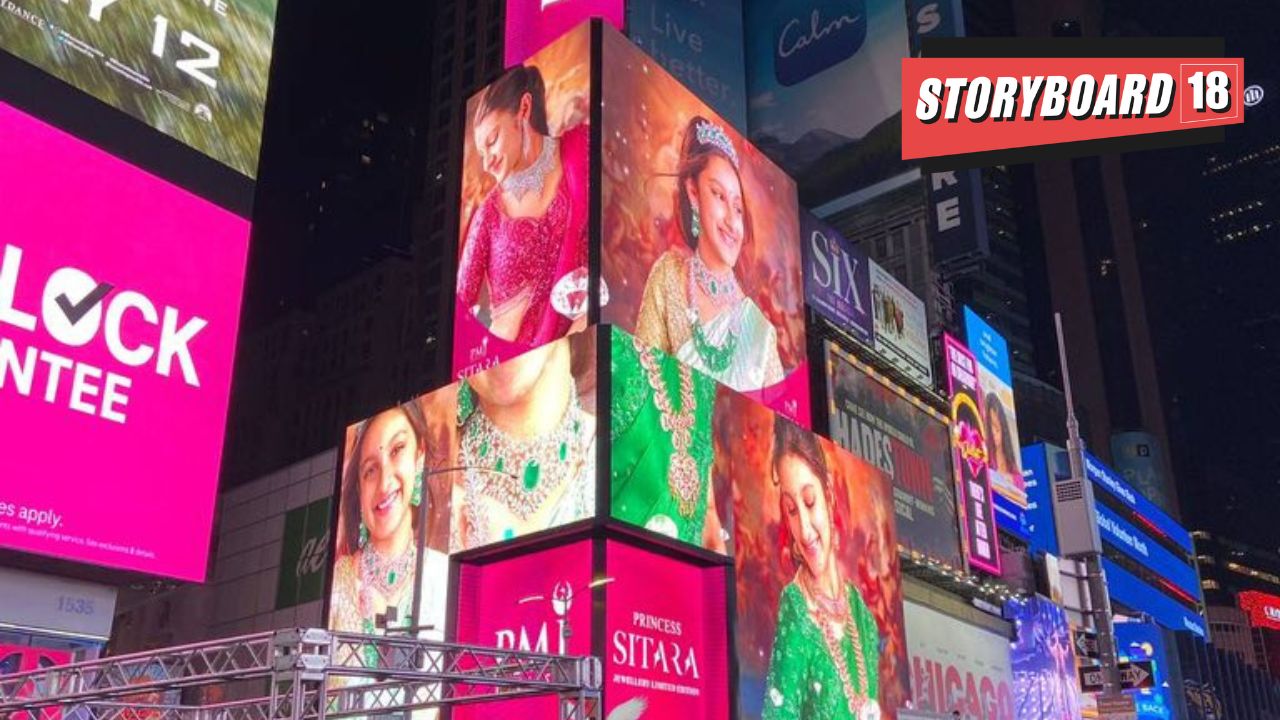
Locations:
(498, 139)
(717, 193)
(513, 380)
(389, 461)
(805, 510)
(995, 431)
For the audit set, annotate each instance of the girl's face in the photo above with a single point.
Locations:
(389, 459)
(717, 193)
(995, 430)
(498, 139)
(805, 510)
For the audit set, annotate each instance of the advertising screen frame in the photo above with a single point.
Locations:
(996, 379)
(969, 439)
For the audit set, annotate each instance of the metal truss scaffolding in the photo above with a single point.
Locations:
(310, 673)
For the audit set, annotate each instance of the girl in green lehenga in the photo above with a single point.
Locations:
(662, 446)
(826, 650)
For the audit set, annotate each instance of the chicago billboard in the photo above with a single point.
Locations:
(666, 653)
(969, 458)
(522, 247)
(804, 55)
(1004, 459)
(901, 326)
(119, 310)
(908, 442)
(700, 248)
(837, 279)
(196, 71)
(958, 666)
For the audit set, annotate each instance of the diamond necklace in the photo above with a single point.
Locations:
(682, 473)
(532, 178)
(721, 288)
(520, 464)
(385, 574)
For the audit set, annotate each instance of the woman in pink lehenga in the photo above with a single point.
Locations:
(526, 243)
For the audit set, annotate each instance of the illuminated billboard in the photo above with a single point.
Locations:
(1262, 608)
(1145, 642)
(958, 666)
(196, 71)
(539, 602)
(1044, 662)
(806, 61)
(1004, 457)
(119, 310)
(837, 279)
(531, 25)
(701, 44)
(666, 653)
(664, 476)
(699, 240)
(908, 442)
(507, 452)
(969, 458)
(820, 630)
(522, 252)
(901, 326)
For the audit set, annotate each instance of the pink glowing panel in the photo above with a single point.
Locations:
(532, 24)
(539, 602)
(119, 303)
(667, 638)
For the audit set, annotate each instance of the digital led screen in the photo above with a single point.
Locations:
(806, 60)
(1039, 472)
(664, 474)
(969, 458)
(814, 527)
(539, 602)
(118, 318)
(958, 666)
(508, 452)
(1144, 642)
(700, 242)
(901, 327)
(1263, 608)
(1004, 458)
(1128, 590)
(908, 442)
(1155, 521)
(196, 71)
(837, 279)
(1138, 545)
(522, 267)
(701, 44)
(531, 25)
(666, 653)
(1043, 660)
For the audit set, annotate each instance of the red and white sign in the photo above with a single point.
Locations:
(532, 24)
(954, 106)
(1262, 608)
(540, 602)
(119, 306)
(957, 666)
(667, 649)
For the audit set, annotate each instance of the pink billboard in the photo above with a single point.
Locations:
(119, 305)
(539, 602)
(667, 639)
(532, 24)
(969, 458)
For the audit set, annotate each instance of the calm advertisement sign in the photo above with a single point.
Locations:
(119, 305)
(667, 652)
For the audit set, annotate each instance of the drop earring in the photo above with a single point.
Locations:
(695, 222)
(466, 402)
(416, 499)
(364, 535)
(524, 140)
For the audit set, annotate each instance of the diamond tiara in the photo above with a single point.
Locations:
(714, 135)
